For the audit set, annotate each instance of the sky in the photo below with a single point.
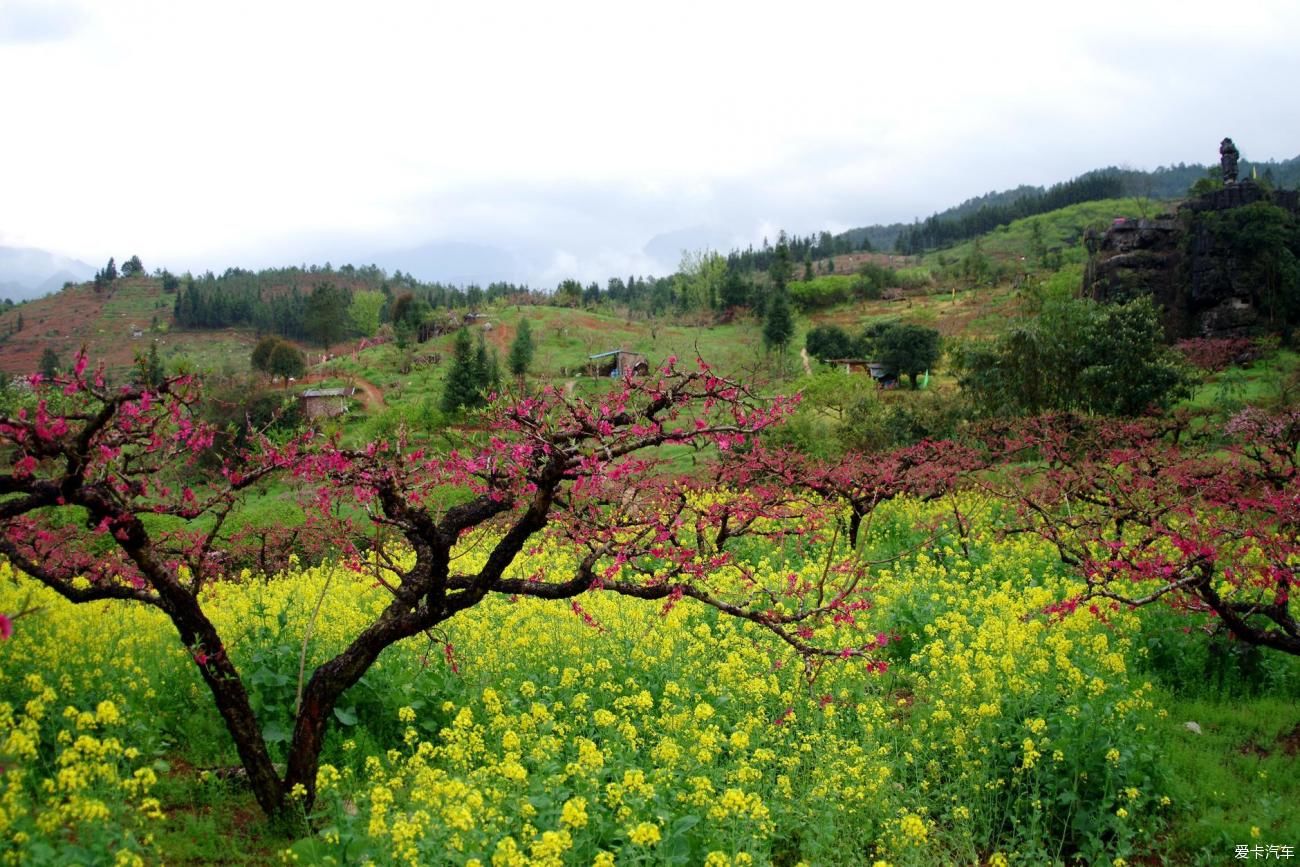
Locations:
(539, 141)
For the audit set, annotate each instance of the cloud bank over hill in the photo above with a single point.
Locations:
(529, 141)
(27, 273)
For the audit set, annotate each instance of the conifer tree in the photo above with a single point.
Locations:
(462, 388)
(521, 351)
(778, 323)
(49, 363)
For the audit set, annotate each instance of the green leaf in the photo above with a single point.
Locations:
(346, 716)
(275, 732)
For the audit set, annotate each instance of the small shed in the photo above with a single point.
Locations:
(617, 363)
(325, 402)
(877, 371)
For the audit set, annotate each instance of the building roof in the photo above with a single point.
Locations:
(613, 352)
(328, 392)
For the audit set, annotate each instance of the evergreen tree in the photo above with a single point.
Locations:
(461, 390)
(153, 369)
(778, 327)
(779, 270)
(49, 363)
(327, 309)
(521, 351)
(493, 383)
(487, 371)
(778, 323)
(110, 271)
(734, 292)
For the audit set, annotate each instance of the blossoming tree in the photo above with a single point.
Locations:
(1148, 511)
(104, 499)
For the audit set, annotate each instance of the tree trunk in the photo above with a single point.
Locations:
(223, 680)
(334, 678)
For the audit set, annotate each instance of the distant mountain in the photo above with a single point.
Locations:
(26, 272)
(451, 262)
(667, 248)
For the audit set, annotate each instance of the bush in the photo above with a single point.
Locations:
(819, 292)
(1077, 355)
(825, 342)
(1216, 353)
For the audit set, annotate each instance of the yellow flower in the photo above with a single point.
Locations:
(574, 813)
(645, 834)
(913, 827)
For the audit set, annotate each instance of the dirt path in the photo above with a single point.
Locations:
(807, 362)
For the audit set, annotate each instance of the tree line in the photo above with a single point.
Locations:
(942, 231)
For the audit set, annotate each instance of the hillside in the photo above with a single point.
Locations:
(1163, 183)
(114, 326)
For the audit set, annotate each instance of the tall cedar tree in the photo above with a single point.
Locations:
(778, 327)
(462, 390)
(521, 351)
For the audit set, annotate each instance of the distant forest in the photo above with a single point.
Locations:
(984, 213)
(324, 304)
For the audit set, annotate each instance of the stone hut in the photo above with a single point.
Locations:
(617, 363)
(325, 402)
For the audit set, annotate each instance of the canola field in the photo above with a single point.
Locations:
(983, 731)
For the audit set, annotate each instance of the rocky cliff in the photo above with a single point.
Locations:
(1205, 282)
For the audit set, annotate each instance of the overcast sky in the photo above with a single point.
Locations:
(568, 135)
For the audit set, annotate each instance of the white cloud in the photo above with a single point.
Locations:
(189, 132)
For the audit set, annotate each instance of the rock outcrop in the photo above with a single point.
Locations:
(1183, 264)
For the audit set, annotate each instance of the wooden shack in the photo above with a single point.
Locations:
(325, 402)
(875, 369)
(618, 363)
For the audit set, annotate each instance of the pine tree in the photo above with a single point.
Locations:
(778, 325)
(778, 328)
(153, 367)
(481, 368)
(521, 351)
(461, 389)
(49, 363)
